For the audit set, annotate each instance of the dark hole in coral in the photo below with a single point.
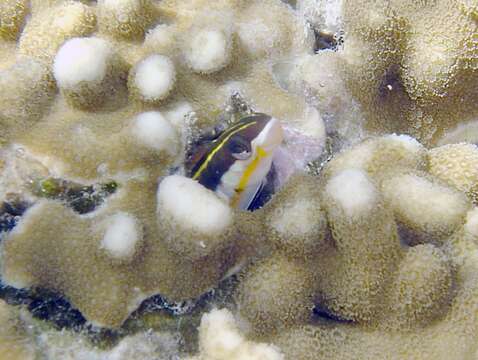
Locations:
(334, 142)
(44, 305)
(52, 307)
(324, 314)
(410, 238)
(10, 212)
(219, 295)
(391, 84)
(81, 198)
(292, 3)
(326, 41)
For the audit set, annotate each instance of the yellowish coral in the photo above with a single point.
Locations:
(425, 206)
(128, 19)
(92, 141)
(453, 332)
(220, 339)
(424, 268)
(363, 269)
(353, 276)
(430, 292)
(275, 294)
(12, 18)
(88, 72)
(50, 27)
(381, 156)
(97, 133)
(14, 343)
(106, 285)
(26, 91)
(339, 242)
(193, 230)
(457, 165)
(295, 220)
(411, 66)
(152, 79)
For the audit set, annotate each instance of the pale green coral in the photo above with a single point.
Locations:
(98, 134)
(128, 19)
(295, 220)
(221, 339)
(14, 341)
(457, 165)
(425, 206)
(27, 90)
(427, 268)
(50, 27)
(12, 17)
(362, 270)
(453, 332)
(410, 65)
(104, 289)
(276, 293)
(99, 76)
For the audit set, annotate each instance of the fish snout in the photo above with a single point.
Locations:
(272, 136)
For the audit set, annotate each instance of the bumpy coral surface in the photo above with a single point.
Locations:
(110, 84)
(403, 300)
(14, 342)
(367, 250)
(410, 66)
(220, 338)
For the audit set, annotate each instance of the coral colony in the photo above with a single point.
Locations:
(364, 240)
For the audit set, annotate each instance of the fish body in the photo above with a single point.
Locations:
(236, 164)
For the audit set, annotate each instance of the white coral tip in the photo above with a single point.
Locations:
(81, 59)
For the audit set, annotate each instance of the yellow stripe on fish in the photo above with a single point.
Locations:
(235, 165)
(218, 147)
(243, 182)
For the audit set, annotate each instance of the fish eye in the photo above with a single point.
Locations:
(240, 148)
(242, 155)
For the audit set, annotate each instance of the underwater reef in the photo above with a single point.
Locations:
(365, 248)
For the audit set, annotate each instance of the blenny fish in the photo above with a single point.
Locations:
(237, 163)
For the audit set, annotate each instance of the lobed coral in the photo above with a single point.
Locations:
(125, 258)
(220, 338)
(411, 67)
(402, 300)
(368, 269)
(14, 342)
(27, 90)
(455, 164)
(48, 29)
(152, 79)
(86, 70)
(128, 19)
(12, 18)
(23, 337)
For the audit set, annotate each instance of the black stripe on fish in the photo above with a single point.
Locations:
(211, 161)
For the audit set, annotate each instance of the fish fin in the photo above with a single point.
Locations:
(254, 195)
(265, 191)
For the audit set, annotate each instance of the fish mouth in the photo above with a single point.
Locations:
(271, 136)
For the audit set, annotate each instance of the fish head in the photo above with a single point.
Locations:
(236, 164)
(253, 149)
